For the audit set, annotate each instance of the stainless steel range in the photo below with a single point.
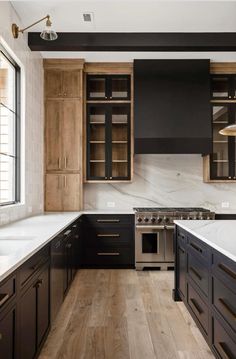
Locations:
(154, 236)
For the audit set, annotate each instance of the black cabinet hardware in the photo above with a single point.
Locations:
(196, 305)
(227, 270)
(4, 298)
(227, 307)
(112, 235)
(196, 247)
(108, 254)
(226, 351)
(195, 273)
(108, 220)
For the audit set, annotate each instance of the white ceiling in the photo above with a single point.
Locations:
(131, 16)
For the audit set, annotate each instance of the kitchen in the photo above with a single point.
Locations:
(116, 180)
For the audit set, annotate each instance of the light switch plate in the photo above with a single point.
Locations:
(225, 204)
(111, 204)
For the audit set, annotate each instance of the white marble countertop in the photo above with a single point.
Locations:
(108, 211)
(21, 239)
(219, 234)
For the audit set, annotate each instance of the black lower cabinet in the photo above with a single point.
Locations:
(108, 241)
(34, 314)
(205, 280)
(8, 333)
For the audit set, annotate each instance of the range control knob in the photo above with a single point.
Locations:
(139, 219)
(153, 219)
(167, 220)
(146, 219)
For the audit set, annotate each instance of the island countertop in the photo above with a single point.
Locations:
(219, 234)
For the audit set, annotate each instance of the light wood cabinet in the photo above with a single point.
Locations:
(63, 134)
(63, 192)
(62, 83)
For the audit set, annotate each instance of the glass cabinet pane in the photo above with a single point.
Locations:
(120, 87)
(96, 87)
(220, 87)
(120, 143)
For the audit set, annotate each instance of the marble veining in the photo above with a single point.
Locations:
(219, 234)
(163, 181)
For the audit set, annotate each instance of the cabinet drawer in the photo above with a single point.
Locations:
(224, 301)
(112, 236)
(198, 273)
(222, 342)
(108, 219)
(198, 306)
(224, 269)
(7, 291)
(109, 257)
(181, 235)
(32, 265)
(198, 248)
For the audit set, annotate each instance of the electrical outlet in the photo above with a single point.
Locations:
(225, 204)
(111, 204)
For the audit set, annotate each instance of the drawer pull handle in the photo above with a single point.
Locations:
(227, 307)
(57, 245)
(108, 254)
(4, 299)
(196, 247)
(196, 306)
(227, 270)
(113, 235)
(226, 351)
(67, 232)
(196, 273)
(182, 250)
(108, 220)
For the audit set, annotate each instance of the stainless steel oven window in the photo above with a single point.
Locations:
(150, 242)
(9, 129)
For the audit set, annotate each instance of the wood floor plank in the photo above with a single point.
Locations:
(123, 314)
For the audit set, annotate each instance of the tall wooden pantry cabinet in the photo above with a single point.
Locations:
(63, 89)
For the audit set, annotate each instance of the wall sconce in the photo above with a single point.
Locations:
(47, 34)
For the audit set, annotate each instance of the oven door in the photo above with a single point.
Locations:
(150, 244)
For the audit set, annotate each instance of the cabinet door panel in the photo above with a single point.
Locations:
(72, 83)
(71, 135)
(7, 334)
(53, 192)
(53, 83)
(53, 135)
(28, 324)
(71, 192)
(43, 305)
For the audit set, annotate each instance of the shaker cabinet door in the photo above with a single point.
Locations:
(43, 305)
(7, 334)
(53, 192)
(72, 86)
(71, 192)
(53, 133)
(53, 83)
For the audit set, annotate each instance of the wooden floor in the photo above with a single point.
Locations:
(119, 314)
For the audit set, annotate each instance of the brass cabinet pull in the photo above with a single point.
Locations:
(59, 162)
(196, 306)
(108, 254)
(113, 235)
(195, 272)
(196, 247)
(0, 336)
(67, 232)
(58, 182)
(4, 299)
(65, 162)
(225, 350)
(65, 182)
(227, 270)
(108, 220)
(182, 250)
(227, 307)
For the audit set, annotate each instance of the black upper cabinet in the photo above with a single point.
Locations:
(108, 87)
(223, 87)
(172, 111)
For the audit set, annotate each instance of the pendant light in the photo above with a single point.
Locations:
(47, 34)
(228, 130)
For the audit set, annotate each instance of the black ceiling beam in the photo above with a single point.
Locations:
(97, 41)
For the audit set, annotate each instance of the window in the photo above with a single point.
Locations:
(9, 130)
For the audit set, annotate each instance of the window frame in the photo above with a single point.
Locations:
(17, 119)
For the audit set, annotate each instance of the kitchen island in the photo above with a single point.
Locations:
(205, 280)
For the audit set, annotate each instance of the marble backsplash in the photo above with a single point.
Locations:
(163, 180)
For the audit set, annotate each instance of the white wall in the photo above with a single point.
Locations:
(32, 118)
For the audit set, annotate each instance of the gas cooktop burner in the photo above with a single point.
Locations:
(170, 209)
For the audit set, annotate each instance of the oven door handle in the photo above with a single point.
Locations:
(150, 227)
(169, 227)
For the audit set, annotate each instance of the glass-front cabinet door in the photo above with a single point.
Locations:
(108, 142)
(223, 155)
(221, 87)
(96, 141)
(108, 87)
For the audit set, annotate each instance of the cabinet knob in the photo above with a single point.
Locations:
(230, 96)
(230, 177)
(105, 96)
(105, 177)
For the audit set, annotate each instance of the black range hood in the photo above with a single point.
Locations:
(172, 112)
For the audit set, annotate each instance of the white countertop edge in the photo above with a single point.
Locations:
(208, 242)
(37, 248)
